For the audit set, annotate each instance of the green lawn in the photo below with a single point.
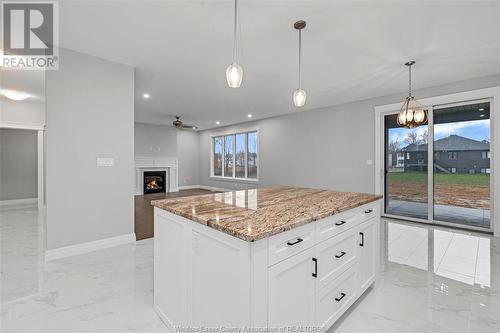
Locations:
(442, 178)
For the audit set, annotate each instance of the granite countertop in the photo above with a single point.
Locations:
(258, 213)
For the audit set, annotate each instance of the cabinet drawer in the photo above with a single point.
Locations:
(335, 255)
(368, 211)
(338, 223)
(291, 242)
(332, 301)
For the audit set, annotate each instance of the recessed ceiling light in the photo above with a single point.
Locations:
(249, 115)
(14, 94)
(217, 122)
(146, 95)
(481, 109)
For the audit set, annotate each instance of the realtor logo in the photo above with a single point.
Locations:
(30, 35)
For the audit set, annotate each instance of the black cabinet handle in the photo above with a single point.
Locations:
(315, 273)
(340, 223)
(362, 239)
(296, 242)
(342, 295)
(368, 211)
(340, 255)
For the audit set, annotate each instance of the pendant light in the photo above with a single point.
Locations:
(234, 72)
(299, 95)
(412, 113)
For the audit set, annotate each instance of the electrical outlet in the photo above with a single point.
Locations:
(105, 161)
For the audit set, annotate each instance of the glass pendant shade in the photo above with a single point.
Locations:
(234, 75)
(412, 114)
(299, 98)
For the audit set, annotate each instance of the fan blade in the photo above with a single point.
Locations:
(189, 126)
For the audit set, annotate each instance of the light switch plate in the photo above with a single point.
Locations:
(369, 162)
(105, 162)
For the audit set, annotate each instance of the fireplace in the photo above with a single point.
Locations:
(154, 182)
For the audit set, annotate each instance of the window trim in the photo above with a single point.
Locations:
(234, 178)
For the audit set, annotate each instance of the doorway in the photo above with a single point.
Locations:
(441, 172)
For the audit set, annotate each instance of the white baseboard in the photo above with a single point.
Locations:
(73, 250)
(204, 187)
(29, 201)
(188, 187)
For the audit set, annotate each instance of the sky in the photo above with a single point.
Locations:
(476, 129)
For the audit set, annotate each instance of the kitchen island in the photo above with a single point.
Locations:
(268, 258)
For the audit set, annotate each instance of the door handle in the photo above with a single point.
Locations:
(362, 239)
(368, 211)
(342, 295)
(340, 255)
(315, 273)
(340, 223)
(296, 242)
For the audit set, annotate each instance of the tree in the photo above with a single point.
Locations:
(394, 145)
(414, 138)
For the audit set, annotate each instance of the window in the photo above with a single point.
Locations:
(485, 155)
(485, 170)
(452, 155)
(217, 166)
(235, 156)
(407, 156)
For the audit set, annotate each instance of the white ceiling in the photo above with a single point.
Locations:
(352, 50)
(31, 82)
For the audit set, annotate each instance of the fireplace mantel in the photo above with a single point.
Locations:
(169, 165)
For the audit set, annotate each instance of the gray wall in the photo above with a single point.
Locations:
(155, 140)
(189, 157)
(18, 167)
(325, 148)
(90, 114)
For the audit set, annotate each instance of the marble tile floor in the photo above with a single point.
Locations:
(431, 280)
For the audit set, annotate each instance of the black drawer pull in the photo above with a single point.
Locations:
(362, 239)
(368, 211)
(340, 223)
(340, 255)
(315, 273)
(342, 295)
(296, 242)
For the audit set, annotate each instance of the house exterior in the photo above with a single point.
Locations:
(453, 154)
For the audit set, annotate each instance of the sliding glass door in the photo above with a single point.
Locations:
(440, 173)
(461, 173)
(406, 185)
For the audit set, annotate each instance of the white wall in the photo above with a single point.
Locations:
(155, 140)
(90, 114)
(18, 167)
(189, 157)
(325, 148)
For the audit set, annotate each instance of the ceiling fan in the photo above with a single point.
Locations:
(177, 123)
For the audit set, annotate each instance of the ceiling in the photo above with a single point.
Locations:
(31, 82)
(351, 51)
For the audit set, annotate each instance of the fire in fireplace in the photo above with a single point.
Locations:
(154, 182)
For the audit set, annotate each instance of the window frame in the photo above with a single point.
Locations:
(233, 133)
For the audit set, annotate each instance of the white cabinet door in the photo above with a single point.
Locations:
(367, 254)
(292, 291)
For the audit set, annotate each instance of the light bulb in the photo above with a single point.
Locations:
(234, 75)
(419, 116)
(402, 118)
(299, 97)
(409, 115)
